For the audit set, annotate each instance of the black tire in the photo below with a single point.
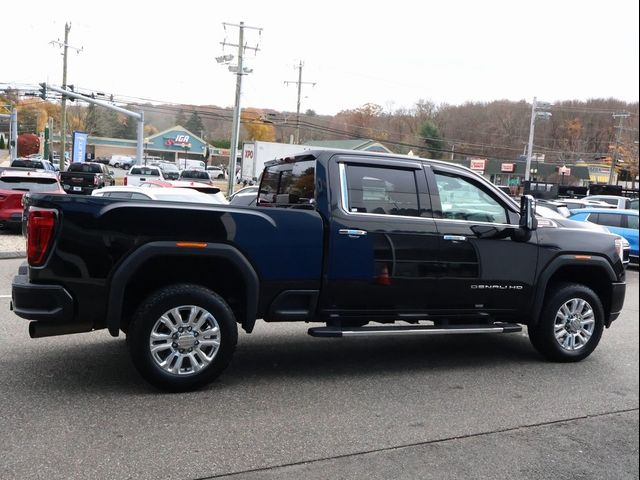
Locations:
(147, 320)
(543, 334)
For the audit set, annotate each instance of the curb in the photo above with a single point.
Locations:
(5, 255)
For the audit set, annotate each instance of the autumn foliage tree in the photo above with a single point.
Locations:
(28, 144)
(255, 127)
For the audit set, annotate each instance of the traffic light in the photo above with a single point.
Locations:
(43, 91)
(70, 87)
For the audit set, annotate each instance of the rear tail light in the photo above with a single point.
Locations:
(125, 181)
(96, 180)
(40, 225)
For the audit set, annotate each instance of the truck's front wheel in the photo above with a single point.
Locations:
(571, 324)
(182, 337)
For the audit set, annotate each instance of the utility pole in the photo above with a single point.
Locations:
(536, 112)
(13, 134)
(63, 113)
(299, 83)
(239, 70)
(614, 161)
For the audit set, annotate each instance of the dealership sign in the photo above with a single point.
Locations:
(477, 164)
(507, 167)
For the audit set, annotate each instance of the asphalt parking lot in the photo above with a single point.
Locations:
(291, 406)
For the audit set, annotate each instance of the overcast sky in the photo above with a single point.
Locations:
(389, 53)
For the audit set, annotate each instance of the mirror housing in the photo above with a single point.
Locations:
(528, 221)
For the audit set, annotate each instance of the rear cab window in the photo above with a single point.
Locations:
(85, 168)
(288, 184)
(150, 172)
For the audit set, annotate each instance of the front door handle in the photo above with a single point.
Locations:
(352, 232)
(455, 238)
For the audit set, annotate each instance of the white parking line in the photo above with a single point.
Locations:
(5, 296)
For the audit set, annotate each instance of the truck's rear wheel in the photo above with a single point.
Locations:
(182, 337)
(571, 324)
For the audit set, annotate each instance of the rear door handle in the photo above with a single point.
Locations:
(352, 232)
(455, 238)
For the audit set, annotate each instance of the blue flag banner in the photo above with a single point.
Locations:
(79, 146)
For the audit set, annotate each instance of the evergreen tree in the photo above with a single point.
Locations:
(180, 118)
(432, 138)
(91, 120)
(129, 129)
(194, 124)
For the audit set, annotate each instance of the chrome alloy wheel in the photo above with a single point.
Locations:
(184, 340)
(574, 324)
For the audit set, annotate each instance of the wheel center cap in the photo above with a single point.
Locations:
(574, 325)
(186, 340)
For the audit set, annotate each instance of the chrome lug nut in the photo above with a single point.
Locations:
(174, 345)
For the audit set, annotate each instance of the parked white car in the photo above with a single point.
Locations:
(139, 173)
(121, 161)
(216, 172)
(614, 200)
(160, 194)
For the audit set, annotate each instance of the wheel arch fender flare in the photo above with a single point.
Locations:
(128, 267)
(555, 265)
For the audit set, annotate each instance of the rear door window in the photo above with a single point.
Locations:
(382, 191)
(607, 219)
(632, 222)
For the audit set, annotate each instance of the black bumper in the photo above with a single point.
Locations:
(618, 291)
(45, 303)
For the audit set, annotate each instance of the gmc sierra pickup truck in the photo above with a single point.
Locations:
(85, 177)
(363, 244)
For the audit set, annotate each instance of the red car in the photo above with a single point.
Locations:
(14, 184)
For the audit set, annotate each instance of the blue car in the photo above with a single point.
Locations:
(620, 222)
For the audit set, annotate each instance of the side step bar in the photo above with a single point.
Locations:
(413, 330)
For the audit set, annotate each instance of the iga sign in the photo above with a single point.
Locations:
(477, 164)
(181, 141)
(507, 167)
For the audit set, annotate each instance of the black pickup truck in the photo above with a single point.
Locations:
(363, 244)
(85, 177)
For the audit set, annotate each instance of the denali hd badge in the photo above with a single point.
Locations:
(496, 287)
